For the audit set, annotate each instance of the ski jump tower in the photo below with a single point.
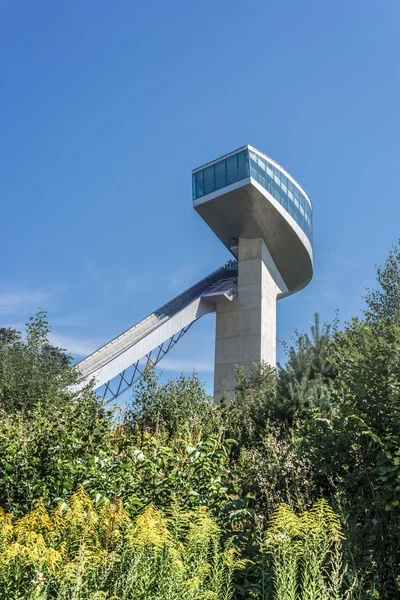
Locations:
(264, 218)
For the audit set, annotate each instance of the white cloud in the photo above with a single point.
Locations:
(24, 301)
(76, 346)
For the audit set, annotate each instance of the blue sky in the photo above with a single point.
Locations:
(105, 109)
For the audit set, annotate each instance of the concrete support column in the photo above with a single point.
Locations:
(246, 327)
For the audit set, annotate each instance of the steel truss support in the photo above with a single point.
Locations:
(125, 380)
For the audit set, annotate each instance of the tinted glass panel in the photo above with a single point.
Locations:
(200, 184)
(209, 185)
(262, 175)
(253, 169)
(245, 163)
(231, 169)
(220, 174)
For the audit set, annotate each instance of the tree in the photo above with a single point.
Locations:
(32, 370)
(304, 381)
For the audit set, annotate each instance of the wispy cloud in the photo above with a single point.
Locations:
(24, 301)
(76, 346)
(77, 319)
(179, 365)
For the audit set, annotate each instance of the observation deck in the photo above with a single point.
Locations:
(245, 194)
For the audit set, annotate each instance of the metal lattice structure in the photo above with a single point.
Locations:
(128, 377)
(116, 366)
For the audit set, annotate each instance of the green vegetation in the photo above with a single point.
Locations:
(290, 491)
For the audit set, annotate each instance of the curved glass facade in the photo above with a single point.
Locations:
(248, 163)
(220, 174)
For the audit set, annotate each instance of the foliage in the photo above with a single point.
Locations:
(179, 407)
(32, 371)
(145, 469)
(305, 553)
(275, 472)
(326, 424)
(48, 452)
(84, 551)
(252, 404)
(383, 304)
(304, 381)
(162, 451)
(356, 449)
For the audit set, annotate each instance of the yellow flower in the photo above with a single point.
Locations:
(193, 583)
(230, 556)
(178, 564)
(150, 528)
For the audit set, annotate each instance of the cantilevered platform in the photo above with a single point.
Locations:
(245, 194)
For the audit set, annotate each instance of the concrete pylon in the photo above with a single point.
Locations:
(264, 218)
(246, 327)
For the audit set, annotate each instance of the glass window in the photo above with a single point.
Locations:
(253, 156)
(243, 164)
(276, 193)
(253, 168)
(199, 184)
(209, 184)
(262, 178)
(231, 169)
(220, 174)
(261, 172)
